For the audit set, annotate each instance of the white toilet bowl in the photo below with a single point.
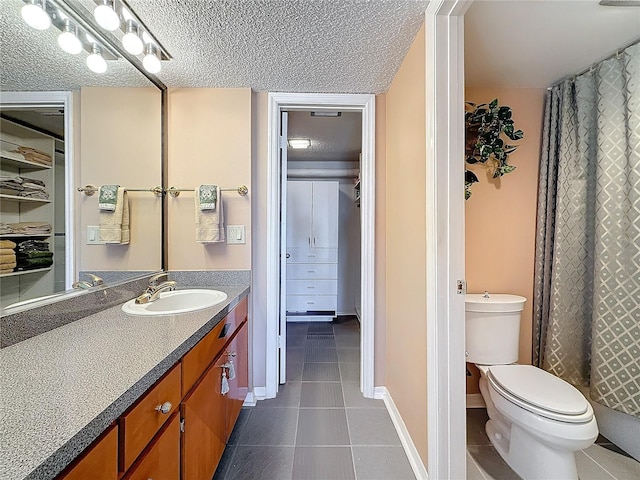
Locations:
(537, 421)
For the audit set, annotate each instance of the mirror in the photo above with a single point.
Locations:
(97, 129)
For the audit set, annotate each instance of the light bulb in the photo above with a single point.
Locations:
(106, 15)
(35, 15)
(95, 62)
(69, 41)
(131, 40)
(151, 62)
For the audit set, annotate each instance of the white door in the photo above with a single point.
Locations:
(282, 330)
(324, 232)
(298, 214)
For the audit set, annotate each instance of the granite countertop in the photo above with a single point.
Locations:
(60, 390)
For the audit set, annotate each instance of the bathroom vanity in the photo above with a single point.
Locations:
(115, 396)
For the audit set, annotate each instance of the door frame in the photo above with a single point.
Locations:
(364, 103)
(446, 379)
(57, 99)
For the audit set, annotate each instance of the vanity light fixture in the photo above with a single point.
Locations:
(131, 40)
(95, 61)
(35, 14)
(299, 143)
(68, 39)
(151, 62)
(107, 16)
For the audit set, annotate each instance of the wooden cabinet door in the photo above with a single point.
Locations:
(299, 214)
(99, 462)
(161, 460)
(324, 212)
(204, 437)
(238, 353)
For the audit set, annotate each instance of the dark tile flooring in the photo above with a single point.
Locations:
(319, 426)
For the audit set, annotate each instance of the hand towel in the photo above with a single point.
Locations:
(7, 267)
(7, 251)
(7, 244)
(7, 259)
(209, 223)
(114, 226)
(208, 195)
(108, 198)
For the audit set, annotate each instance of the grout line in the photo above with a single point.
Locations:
(597, 463)
(482, 473)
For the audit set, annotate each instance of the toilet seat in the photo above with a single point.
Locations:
(539, 392)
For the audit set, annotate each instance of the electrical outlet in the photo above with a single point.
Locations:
(235, 234)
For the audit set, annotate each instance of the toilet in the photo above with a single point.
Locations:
(536, 420)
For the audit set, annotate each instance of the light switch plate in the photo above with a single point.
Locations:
(93, 235)
(235, 234)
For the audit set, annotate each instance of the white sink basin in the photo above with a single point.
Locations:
(177, 301)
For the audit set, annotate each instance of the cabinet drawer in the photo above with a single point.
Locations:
(304, 271)
(312, 255)
(196, 361)
(312, 287)
(305, 303)
(99, 462)
(140, 424)
(161, 460)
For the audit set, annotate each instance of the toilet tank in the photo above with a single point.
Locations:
(492, 328)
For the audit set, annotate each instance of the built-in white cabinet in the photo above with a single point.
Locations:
(25, 153)
(312, 248)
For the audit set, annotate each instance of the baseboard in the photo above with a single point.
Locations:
(310, 318)
(410, 449)
(475, 400)
(250, 400)
(259, 393)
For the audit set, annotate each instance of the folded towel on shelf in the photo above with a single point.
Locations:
(34, 155)
(28, 228)
(7, 251)
(9, 269)
(209, 223)
(34, 254)
(208, 196)
(108, 198)
(7, 244)
(32, 246)
(30, 263)
(6, 259)
(114, 225)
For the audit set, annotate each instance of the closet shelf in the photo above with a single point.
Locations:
(16, 198)
(24, 164)
(25, 235)
(24, 272)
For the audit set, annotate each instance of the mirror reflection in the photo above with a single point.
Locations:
(63, 127)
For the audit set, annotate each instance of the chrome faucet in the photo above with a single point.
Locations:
(84, 285)
(153, 291)
(81, 285)
(153, 281)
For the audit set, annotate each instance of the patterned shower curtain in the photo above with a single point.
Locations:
(587, 272)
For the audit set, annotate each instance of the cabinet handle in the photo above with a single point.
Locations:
(311, 303)
(311, 271)
(311, 286)
(314, 240)
(309, 240)
(164, 408)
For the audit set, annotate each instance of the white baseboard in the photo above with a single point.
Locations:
(250, 400)
(310, 318)
(475, 400)
(410, 449)
(259, 393)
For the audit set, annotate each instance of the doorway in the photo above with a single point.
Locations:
(279, 103)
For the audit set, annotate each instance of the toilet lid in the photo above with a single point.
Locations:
(541, 389)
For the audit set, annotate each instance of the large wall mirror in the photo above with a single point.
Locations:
(64, 127)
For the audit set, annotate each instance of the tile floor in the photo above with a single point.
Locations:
(603, 461)
(319, 426)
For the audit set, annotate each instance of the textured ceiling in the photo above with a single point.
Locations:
(333, 139)
(534, 44)
(340, 46)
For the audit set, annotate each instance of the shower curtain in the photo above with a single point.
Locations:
(587, 271)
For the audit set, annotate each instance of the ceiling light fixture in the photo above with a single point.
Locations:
(95, 61)
(106, 15)
(68, 39)
(299, 143)
(131, 40)
(151, 62)
(35, 14)
(326, 113)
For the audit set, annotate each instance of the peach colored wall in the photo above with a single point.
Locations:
(501, 214)
(406, 243)
(120, 141)
(209, 142)
(380, 286)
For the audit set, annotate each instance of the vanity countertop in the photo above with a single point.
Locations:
(60, 390)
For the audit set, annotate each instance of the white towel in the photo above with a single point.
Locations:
(209, 223)
(114, 226)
